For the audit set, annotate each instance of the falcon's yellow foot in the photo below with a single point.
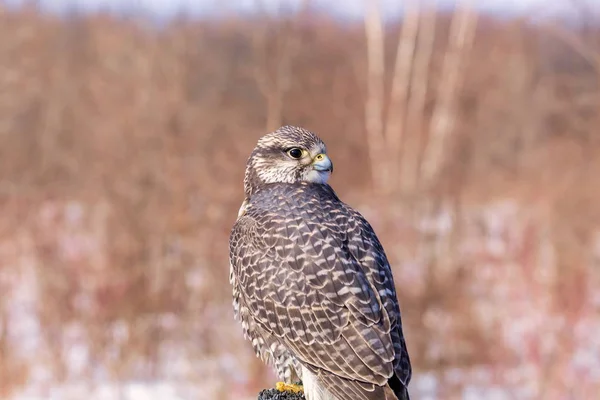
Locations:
(289, 387)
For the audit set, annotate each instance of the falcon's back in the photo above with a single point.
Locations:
(315, 292)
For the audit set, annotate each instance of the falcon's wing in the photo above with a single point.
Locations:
(314, 274)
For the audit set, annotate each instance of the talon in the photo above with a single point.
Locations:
(289, 387)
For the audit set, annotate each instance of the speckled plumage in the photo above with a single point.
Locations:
(311, 282)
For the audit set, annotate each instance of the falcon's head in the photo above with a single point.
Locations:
(288, 155)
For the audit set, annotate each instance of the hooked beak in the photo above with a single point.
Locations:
(322, 163)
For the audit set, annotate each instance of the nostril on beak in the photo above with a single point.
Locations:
(319, 157)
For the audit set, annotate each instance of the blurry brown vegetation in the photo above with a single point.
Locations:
(122, 154)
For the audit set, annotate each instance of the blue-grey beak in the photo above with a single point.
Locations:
(322, 163)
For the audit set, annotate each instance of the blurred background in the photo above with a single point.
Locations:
(467, 133)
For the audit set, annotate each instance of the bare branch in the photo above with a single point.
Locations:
(401, 81)
(374, 103)
(416, 106)
(273, 71)
(462, 35)
(576, 43)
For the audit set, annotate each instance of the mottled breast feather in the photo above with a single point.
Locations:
(312, 273)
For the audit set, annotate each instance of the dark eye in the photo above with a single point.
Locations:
(295, 153)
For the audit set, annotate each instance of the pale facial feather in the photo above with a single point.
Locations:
(283, 169)
(270, 162)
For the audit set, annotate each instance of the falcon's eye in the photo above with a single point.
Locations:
(295, 153)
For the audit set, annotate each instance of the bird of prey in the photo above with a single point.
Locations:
(312, 285)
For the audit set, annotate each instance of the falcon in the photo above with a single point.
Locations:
(312, 285)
